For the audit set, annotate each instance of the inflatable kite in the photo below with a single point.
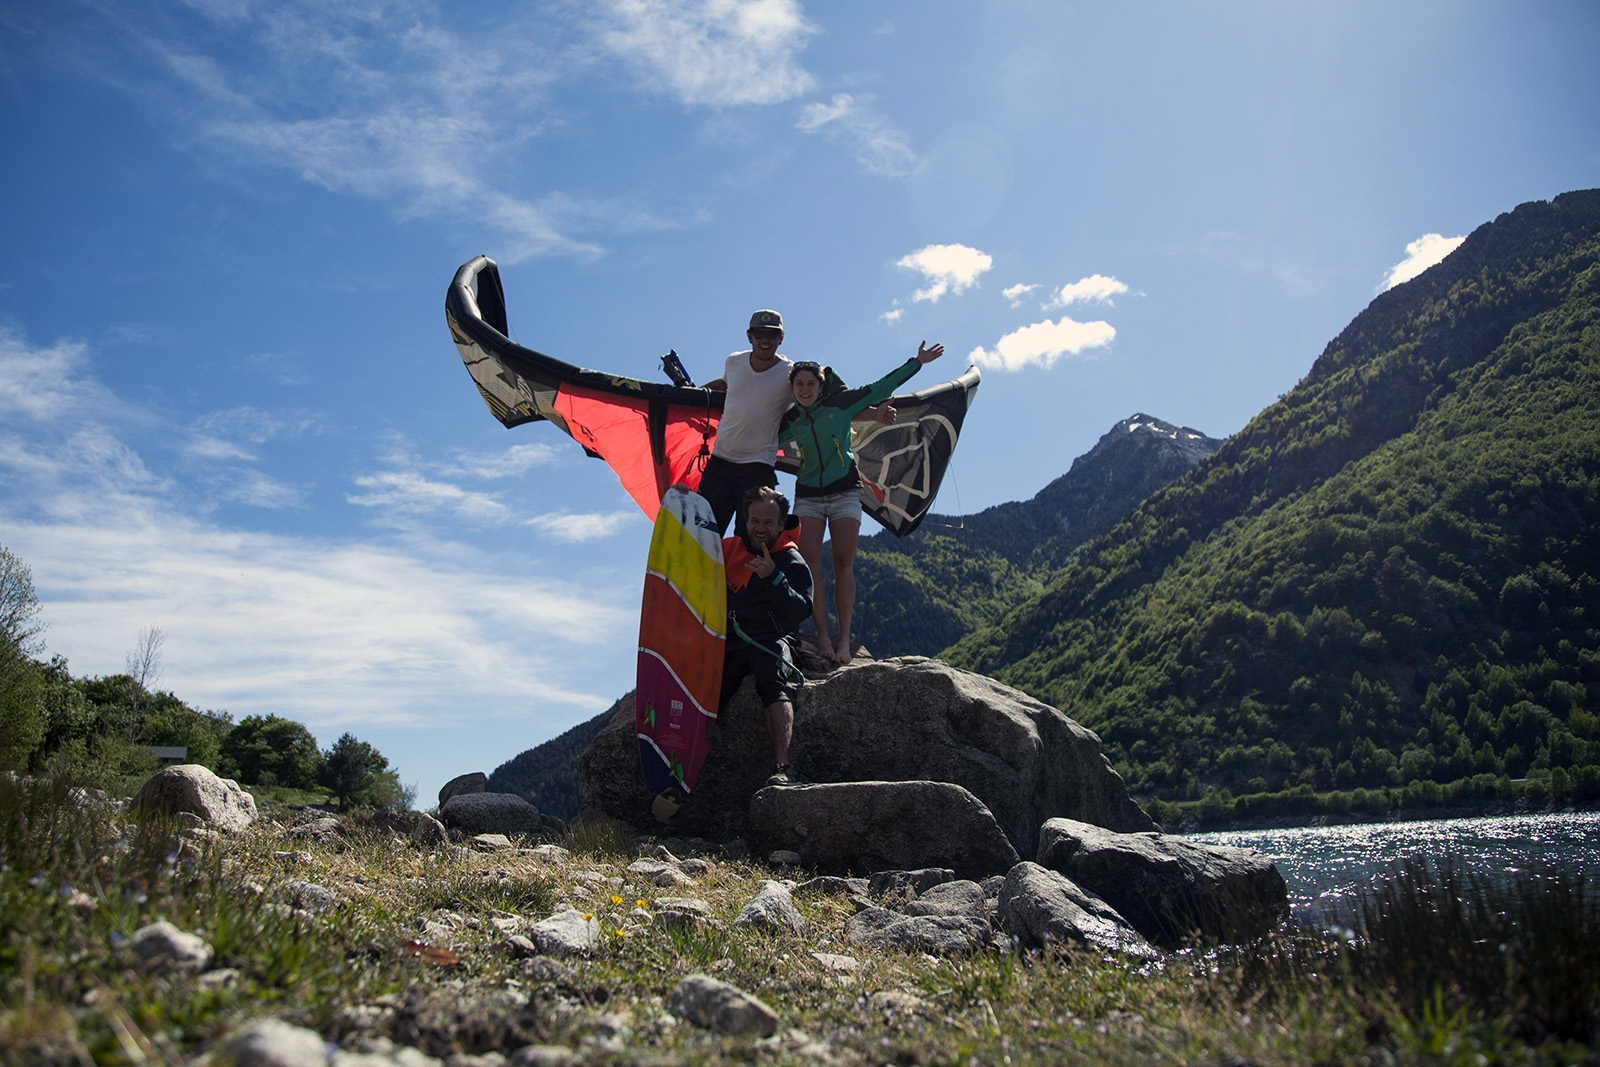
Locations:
(653, 434)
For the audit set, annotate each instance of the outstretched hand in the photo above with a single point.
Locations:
(762, 566)
(926, 355)
(884, 413)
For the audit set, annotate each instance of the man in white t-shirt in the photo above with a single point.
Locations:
(757, 393)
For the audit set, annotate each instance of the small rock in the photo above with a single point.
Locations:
(783, 857)
(549, 854)
(325, 829)
(220, 978)
(428, 832)
(275, 1043)
(308, 895)
(772, 909)
(491, 842)
(890, 1002)
(834, 962)
(951, 898)
(937, 935)
(716, 1005)
(566, 933)
(545, 1056)
(831, 886)
(294, 858)
(671, 877)
(518, 947)
(164, 947)
(689, 904)
(908, 883)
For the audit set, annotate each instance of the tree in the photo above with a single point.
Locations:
(144, 667)
(22, 721)
(269, 750)
(351, 768)
(19, 608)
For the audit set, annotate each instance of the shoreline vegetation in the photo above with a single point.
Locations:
(403, 953)
(1483, 796)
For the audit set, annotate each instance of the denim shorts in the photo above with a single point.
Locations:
(841, 505)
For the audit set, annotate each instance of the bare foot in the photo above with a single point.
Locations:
(841, 651)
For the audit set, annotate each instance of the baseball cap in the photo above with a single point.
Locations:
(766, 320)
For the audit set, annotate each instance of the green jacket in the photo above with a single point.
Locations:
(821, 433)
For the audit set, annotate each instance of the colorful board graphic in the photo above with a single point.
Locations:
(682, 629)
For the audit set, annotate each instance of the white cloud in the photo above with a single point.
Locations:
(259, 490)
(509, 463)
(880, 148)
(408, 493)
(326, 630)
(1016, 294)
(380, 103)
(1421, 254)
(893, 315)
(204, 446)
(46, 383)
(1096, 288)
(576, 528)
(1043, 343)
(948, 269)
(717, 53)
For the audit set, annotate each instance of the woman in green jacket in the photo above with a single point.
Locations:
(828, 486)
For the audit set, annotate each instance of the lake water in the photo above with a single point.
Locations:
(1326, 865)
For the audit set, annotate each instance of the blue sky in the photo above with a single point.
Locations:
(230, 408)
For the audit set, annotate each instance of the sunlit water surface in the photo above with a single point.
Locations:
(1325, 866)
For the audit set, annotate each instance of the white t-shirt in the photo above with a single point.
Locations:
(755, 401)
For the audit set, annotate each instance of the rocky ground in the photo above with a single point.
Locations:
(295, 937)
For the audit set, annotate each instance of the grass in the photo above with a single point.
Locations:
(1438, 968)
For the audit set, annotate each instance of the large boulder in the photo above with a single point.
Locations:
(906, 719)
(193, 789)
(1042, 908)
(1168, 888)
(475, 782)
(490, 813)
(863, 827)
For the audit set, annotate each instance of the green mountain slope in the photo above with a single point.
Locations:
(920, 594)
(1387, 576)
(546, 775)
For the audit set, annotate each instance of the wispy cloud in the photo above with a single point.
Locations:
(578, 528)
(715, 53)
(509, 463)
(1096, 289)
(879, 147)
(407, 494)
(1043, 343)
(947, 269)
(326, 630)
(1421, 254)
(1016, 294)
(383, 102)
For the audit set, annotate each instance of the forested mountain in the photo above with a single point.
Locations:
(919, 594)
(547, 775)
(1388, 576)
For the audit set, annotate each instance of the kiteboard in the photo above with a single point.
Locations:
(682, 630)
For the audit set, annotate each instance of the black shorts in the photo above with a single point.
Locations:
(775, 675)
(724, 485)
